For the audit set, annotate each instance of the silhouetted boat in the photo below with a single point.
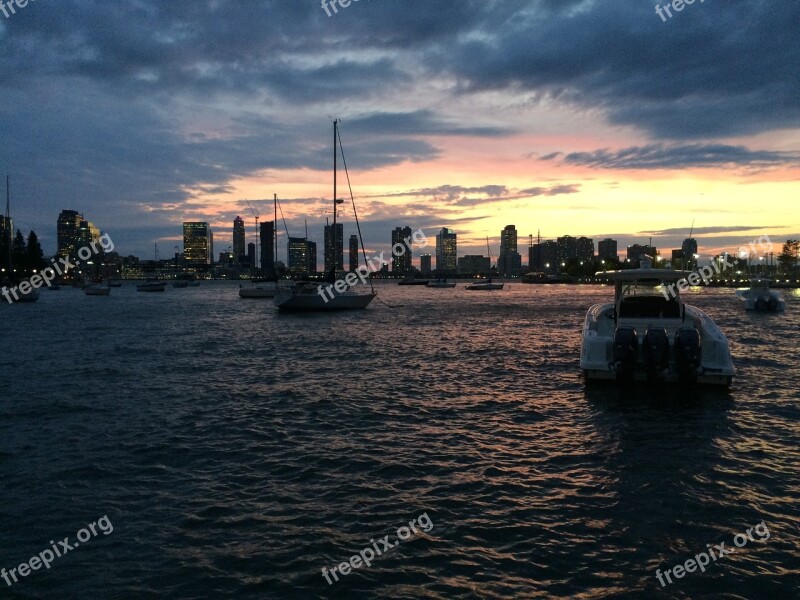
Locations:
(760, 298)
(308, 297)
(680, 343)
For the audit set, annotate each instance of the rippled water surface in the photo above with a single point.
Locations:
(237, 452)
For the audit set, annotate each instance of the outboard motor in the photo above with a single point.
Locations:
(656, 352)
(761, 304)
(626, 352)
(772, 304)
(688, 353)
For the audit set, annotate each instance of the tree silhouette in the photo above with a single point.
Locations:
(34, 255)
(788, 256)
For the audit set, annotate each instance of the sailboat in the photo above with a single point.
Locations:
(152, 284)
(487, 284)
(268, 287)
(337, 295)
(10, 280)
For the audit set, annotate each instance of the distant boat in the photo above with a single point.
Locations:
(10, 281)
(649, 335)
(760, 298)
(153, 284)
(413, 281)
(487, 283)
(309, 297)
(97, 289)
(440, 283)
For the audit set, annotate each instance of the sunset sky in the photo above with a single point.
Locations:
(592, 118)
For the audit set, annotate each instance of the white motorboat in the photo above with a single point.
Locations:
(334, 295)
(440, 283)
(760, 298)
(649, 334)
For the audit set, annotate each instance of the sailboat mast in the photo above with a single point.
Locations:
(7, 230)
(335, 126)
(275, 233)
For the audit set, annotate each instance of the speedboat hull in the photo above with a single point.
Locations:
(645, 356)
(477, 287)
(769, 301)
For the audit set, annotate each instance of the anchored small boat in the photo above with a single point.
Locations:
(440, 283)
(649, 334)
(760, 298)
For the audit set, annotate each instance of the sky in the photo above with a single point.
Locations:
(580, 117)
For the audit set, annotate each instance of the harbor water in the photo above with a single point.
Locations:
(238, 452)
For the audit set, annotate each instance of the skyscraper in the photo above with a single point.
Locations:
(267, 238)
(446, 251)
(509, 263)
(251, 255)
(68, 232)
(401, 263)
(689, 249)
(238, 239)
(425, 265)
(334, 248)
(585, 249)
(607, 250)
(567, 248)
(198, 244)
(312, 256)
(297, 253)
(353, 253)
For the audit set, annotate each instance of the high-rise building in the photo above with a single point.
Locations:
(198, 243)
(6, 235)
(401, 263)
(87, 233)
(238, 238)
(353, 253)
(585, 249)
(334, 248)
(471, 265)
(543, 257)
(607, 250)
(425, 265)
(267, 239)
(689, 249)
(509, 263)
(636, 251)
(297, 252)
(68, 232)
(312, 256)
(446, 251)
(251, 255)
(567, 248)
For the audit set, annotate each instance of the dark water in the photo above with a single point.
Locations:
(237, 452)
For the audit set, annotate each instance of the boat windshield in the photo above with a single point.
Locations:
(646, 300)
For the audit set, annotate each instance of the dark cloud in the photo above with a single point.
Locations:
(678, 156)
